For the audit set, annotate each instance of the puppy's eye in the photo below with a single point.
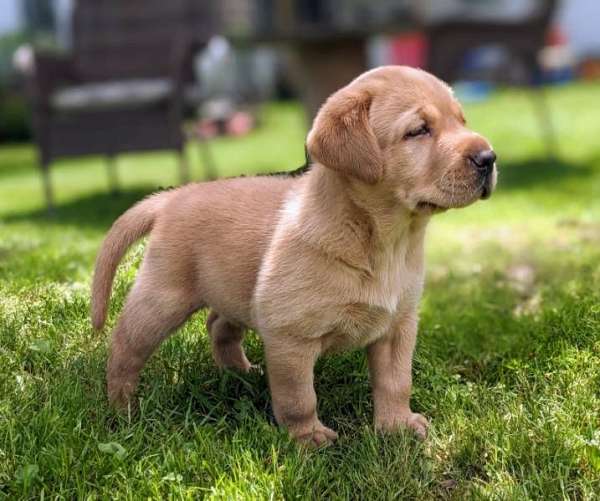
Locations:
(422, 130)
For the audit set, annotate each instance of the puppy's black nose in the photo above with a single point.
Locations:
(484, 160)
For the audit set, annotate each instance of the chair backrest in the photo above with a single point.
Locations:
(133, 38)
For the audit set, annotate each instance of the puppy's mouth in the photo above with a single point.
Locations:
(425, 207)
(487, 187)
(457, 195)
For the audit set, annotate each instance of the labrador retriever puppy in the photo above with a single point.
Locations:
(326, 261)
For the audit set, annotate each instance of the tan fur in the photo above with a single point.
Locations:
(327, 261)
(131, 226)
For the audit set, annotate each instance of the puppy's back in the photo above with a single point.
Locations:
(214, 235)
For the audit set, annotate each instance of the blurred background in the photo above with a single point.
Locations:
(110, 78)
(105, 101)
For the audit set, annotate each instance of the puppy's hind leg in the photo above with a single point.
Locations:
(226, 339)
(150, 314)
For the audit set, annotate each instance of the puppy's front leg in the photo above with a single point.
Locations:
(290, 364)
(390, 367)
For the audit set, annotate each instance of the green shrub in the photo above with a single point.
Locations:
(15, 121)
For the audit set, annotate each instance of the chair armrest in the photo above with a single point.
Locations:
(50, 71)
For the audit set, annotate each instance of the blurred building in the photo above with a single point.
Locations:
(579, 19)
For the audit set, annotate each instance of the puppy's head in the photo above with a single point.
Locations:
(402, 130)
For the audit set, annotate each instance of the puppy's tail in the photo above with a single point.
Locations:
(130, 227)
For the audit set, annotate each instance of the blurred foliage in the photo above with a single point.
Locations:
(14, 116)
(8, 44)
(15, 122)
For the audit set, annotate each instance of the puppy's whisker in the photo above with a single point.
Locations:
(440, 182)
(453, 186)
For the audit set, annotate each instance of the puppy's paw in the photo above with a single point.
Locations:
(120, 396)
(242, 366)
(232, 357)
(411, 420)
(319, 436)
(417, 423)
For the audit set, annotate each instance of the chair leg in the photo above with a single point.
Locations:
(207, 159)
(544, 116)
(112, 174)
(47, 183)
(184, 168)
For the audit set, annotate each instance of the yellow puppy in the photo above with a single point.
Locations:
(329, 260)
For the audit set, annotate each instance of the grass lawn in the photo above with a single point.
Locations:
(507, 364)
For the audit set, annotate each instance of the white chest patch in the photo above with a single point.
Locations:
(346, 306)
(291, 209)
(394, 282)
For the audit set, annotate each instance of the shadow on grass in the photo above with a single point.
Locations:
(532, 172)
(484, 327)
(98, 210)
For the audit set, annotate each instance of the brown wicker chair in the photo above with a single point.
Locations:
(123, 86)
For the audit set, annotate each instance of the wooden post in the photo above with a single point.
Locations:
(184, 168)
(112, 174)
(207, 158)
(47, 184)
(321, 67)
(540, 104)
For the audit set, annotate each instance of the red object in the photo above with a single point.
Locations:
(409, 49)
(555, 36)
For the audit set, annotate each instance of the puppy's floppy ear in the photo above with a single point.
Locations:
(342, 139)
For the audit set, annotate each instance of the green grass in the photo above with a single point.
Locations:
(507, 364)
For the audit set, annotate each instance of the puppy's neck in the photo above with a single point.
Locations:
(355, 221)
(374, 208)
